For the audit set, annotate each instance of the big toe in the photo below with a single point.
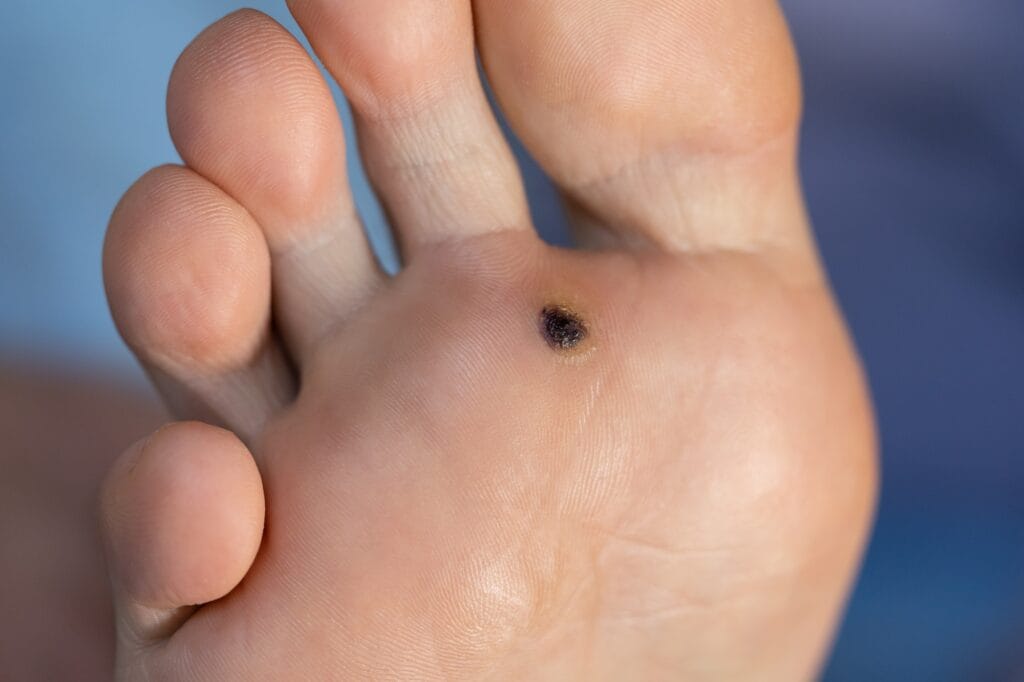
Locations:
(670, 122)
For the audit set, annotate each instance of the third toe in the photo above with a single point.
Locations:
(249, 110)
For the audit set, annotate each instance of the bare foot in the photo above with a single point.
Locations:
(652, 459)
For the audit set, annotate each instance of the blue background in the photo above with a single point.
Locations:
(913, 160)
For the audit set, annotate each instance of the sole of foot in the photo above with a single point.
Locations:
(508, 460)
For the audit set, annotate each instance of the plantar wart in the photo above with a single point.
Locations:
(562, 328)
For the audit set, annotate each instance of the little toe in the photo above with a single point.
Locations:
(249, 110)
(669, 123)
(182, 516)
(188, 280)
(429, 140)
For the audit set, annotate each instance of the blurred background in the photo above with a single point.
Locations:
(913, 159)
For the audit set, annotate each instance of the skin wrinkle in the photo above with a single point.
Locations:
(653, 164)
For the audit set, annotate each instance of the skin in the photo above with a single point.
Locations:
(428, 488)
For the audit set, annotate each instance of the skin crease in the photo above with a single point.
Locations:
(684, 494)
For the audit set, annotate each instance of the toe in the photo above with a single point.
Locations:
(182, 515)
(188, 281)
(429, 140)
(249, 110)
(670, 122)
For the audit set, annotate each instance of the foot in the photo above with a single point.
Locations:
(648, 459)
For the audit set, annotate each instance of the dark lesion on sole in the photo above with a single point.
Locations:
(562, 328)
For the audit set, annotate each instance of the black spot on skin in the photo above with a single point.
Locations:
(562, 328)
